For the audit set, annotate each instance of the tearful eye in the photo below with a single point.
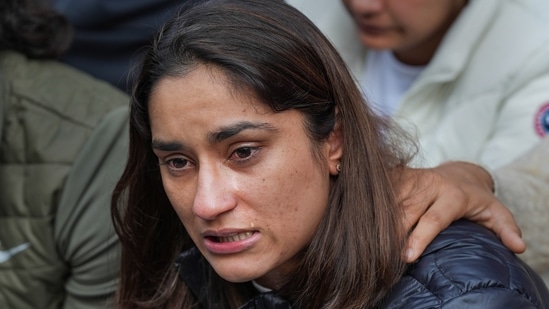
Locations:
(177, 163)
(242, 153)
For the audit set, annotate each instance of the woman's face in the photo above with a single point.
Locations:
(412, 29)
(241, 178)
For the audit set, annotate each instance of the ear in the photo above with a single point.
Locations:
(334, 149)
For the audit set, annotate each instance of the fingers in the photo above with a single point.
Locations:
(439, 216)
(416, 195)
(500, 220)
(418, 240)
(429, 210)
(512, 240)
(434, 198)
(488, 212)
(428, 227)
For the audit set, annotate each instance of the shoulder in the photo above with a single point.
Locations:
(467, 266)
(45, 100)
(59, 88)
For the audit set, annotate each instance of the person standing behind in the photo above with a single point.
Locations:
(108, 35)
(471, 78)
(63, 144)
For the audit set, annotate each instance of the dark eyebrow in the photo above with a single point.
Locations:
(232, 130)
(166, 146)
(214, 137)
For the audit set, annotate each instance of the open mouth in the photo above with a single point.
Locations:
(231, 238)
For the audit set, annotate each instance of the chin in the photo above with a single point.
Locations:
(236, 273)
(375, 42)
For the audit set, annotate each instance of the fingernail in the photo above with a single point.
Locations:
(409, 254)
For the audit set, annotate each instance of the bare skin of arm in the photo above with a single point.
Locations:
(435, 197)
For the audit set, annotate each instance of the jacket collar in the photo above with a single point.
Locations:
(194, 271)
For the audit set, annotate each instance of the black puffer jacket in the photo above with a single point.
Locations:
(466, 266)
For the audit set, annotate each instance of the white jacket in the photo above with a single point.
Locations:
(481, 96)
(525, 190)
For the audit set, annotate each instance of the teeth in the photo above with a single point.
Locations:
(237, 237)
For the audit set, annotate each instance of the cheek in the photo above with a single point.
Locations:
(426, 17)
(413, 15)
(300, 197)
(353, 7)
(180, 198)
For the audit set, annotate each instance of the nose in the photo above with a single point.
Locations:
(364, 7)
(214, 193)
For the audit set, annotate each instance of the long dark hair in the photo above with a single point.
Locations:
(33, 30)
(273, 50)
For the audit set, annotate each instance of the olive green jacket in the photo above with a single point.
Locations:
(63, 146)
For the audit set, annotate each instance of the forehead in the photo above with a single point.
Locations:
(203, 77)
(203, 101)
(204, 88)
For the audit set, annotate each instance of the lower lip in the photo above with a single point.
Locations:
(231, 247)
